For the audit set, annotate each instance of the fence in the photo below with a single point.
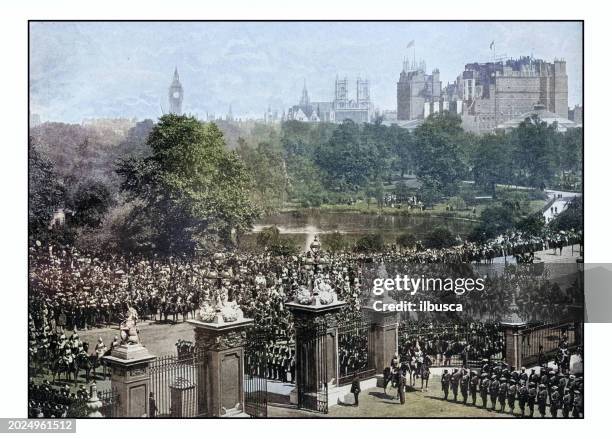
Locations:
(174, 381)
(540, 342)
(356, 350)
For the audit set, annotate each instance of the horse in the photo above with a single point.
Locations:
(82, 361)
(394, 377)
(59, 365)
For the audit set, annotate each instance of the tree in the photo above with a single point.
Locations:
(90, 203)
(492, 161)
(439, 160)
(439, 237)
(46, 192)
(194, 192)
(335, 242)
(370, 243)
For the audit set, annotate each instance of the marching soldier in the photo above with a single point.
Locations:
(567, 403)
(512, 389)
(523, 397)
(503, 391)
(464, 385)
(445, 383)
(494, 391)
(577, 406)
(555, 401)
(533, 394)
(484, 389)
(542, 399)
(455, 377)
(474, 387)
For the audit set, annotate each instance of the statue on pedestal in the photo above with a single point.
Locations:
(129, 331)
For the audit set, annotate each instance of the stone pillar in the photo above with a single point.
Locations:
(317, 345)
(386, 336)
(130, 377)
(513, 335)
(221, 385)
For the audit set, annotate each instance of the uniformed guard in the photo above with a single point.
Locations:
(484, 389)
(555, 401)
(445, 380)
(523, 397)
(512, 389)
(533, 395)
(474, 381)
(542, 399)
(503, 392)
(577, 405)
(455, 377)
(567, 403)
(494, 391)
(464, 385)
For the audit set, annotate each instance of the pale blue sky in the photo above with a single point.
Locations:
(81, 70)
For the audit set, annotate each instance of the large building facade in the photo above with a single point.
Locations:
(488, 94)
(357, 108)
(418, 94)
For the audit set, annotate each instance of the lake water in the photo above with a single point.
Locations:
(305, 224)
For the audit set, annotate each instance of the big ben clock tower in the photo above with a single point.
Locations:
(175, 94)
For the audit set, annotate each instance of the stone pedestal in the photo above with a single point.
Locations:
(221, 384)
(386, 336)
(317, 365)
(130, 377)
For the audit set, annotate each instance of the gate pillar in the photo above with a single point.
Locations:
(316, 341)
(386, 336)
(221, 383)
(130, 376)
(513, 327)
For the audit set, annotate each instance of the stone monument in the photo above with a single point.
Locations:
(220, 332)
(129, 364)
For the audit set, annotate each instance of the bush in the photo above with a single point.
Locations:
(440, 237)
(335, 242)
(406, 239)
(370, 243)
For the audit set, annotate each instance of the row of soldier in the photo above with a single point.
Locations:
(551, 391)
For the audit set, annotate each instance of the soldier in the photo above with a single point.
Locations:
(292, 367)
(356, 389)
(445, 383)
(523, 397)
(494, 391)
(401, 387)
(542, 399)
(474, 387)
(555, 401)
(567, 403)
(424, 377)
(523, 376)
(484, 389)
(533, 395)
(512, 389)
(577, 405)
(503, 391)
(464, 385)
(455, 377)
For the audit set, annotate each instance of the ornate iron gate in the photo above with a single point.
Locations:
(255, 376)
(356, 350)
(176, 382)
(312, 376)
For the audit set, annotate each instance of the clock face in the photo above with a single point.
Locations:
(175, 95)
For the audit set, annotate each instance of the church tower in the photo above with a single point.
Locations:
(175, 95)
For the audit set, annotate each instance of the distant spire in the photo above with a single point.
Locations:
(176, 75)
(304, 100)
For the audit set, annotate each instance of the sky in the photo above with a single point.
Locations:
(123, 69)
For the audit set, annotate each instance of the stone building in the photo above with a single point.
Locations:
(488, 94)
(575, 114)
(418, 94)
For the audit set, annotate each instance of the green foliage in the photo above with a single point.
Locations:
(439, 237)
(370, 243)
(47, 194)
(194, 192)
(90, 203)
(270, 239)
(570, 218)
(334, 242)
(532, 225)
(407, 240)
